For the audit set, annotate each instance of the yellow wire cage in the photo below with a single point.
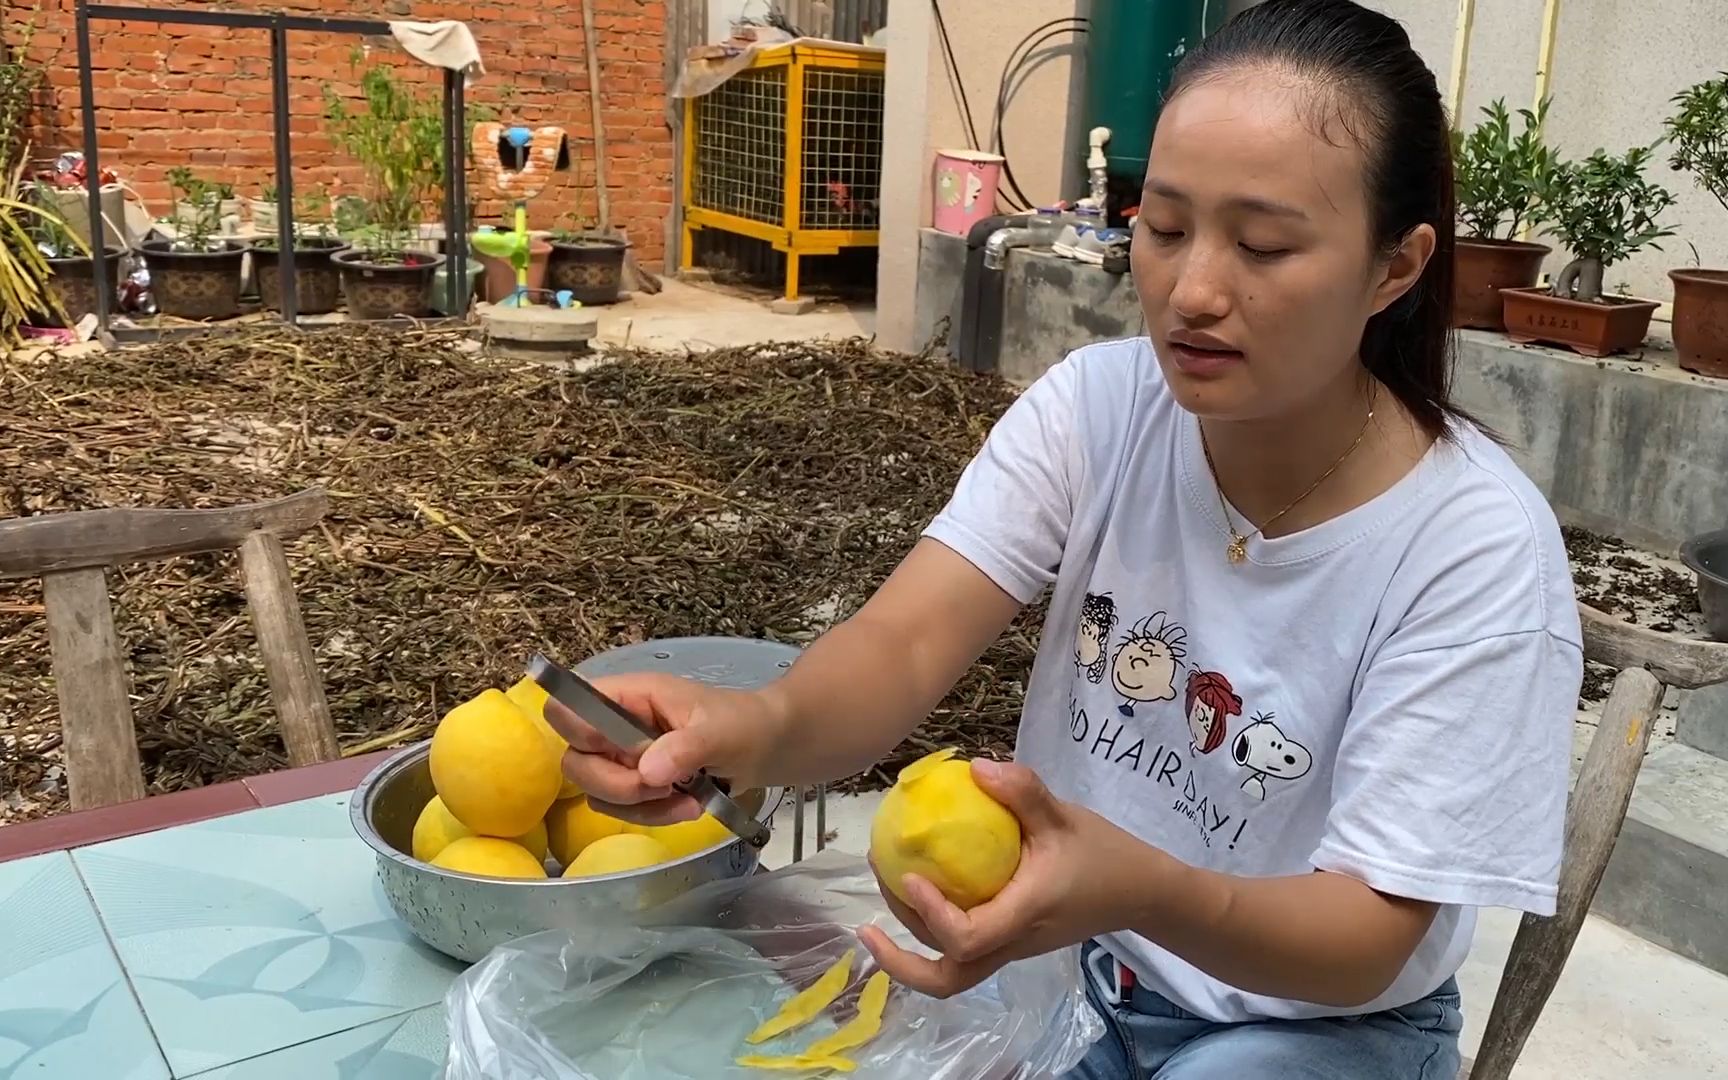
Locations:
(789, 151)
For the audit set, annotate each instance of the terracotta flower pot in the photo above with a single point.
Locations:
(500, 279)
(1481, 268)
(1701, 320)
(1614, 324)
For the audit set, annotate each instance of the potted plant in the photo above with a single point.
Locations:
(1603, 210)
(317, 284)
(194, 275)
(263, 209)
(1699, 134)
(396, 138)
(588, 263)
(1497, 178)
(196, 200)
(73, 283)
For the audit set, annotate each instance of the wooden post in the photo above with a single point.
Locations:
(1593, 818)
(686, 25)
(102, 766)
(295, 686)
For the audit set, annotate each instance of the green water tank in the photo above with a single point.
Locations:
(1131, 52)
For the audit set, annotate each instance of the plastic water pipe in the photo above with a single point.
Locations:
(1097, 165)
(997, 246)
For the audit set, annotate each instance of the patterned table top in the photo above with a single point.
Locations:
(249, 946)
(253, 944)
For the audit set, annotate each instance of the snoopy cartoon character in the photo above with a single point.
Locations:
(1144, 667)
(1265, 751)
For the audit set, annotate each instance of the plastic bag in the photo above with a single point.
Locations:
(673, 996)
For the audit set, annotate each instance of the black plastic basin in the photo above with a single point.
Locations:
(1707, 556)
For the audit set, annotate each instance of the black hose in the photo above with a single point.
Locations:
(1010, 69)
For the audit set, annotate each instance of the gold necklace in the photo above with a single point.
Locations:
(1237, 551)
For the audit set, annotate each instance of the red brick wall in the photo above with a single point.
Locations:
(200, 96)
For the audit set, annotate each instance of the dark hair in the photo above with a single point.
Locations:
(1364, 68)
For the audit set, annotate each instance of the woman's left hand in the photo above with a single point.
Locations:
(1058, 896)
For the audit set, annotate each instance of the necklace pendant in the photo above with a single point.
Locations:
(1237, 552)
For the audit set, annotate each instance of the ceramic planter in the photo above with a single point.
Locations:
(317, 283)
(196, 284)
(390, 286)
(263, 213)
(591, 266)
(1701, 320)
(1615, 324)
(74, 284)
(1481, 268)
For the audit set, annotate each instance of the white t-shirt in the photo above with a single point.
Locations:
(1388, 695)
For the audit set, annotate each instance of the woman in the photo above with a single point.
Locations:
(1272, 495)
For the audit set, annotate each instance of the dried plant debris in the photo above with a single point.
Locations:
(1630, 584)
(481, 511)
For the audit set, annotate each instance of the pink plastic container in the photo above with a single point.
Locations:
(965, 188)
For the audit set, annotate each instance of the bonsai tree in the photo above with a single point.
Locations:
(1699, 134)
(1499, 177)
(1603, 210)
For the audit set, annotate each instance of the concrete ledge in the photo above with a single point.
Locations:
(1053, 305)
(1633, 447)
(1669, 872)
(1629, 446)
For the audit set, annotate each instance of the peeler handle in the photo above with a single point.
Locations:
(621, 728)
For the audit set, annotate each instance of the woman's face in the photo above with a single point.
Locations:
(1255, 264)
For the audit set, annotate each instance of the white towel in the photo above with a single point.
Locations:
(447, 44)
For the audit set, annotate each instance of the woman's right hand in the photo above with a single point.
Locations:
(728, 732)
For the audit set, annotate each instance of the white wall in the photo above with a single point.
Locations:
(1042, 125)
(1616, 65)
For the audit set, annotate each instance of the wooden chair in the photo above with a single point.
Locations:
(1648, 663)
(71, 553)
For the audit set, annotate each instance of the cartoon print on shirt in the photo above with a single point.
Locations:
(1209, 700)
(1144, 668)
(1097, 623)
(1265, 751)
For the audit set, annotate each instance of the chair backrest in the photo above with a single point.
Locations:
(1648, 663)
(72, 552)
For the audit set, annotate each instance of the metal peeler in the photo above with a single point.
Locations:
(626, 732)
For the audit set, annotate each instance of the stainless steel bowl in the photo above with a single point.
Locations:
(464, 915)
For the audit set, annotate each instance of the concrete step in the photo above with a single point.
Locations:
(1669, 871)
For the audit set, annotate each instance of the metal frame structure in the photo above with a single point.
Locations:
(789, 235)
(279, 25)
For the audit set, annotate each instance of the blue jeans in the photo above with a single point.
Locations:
(1146, 1037)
